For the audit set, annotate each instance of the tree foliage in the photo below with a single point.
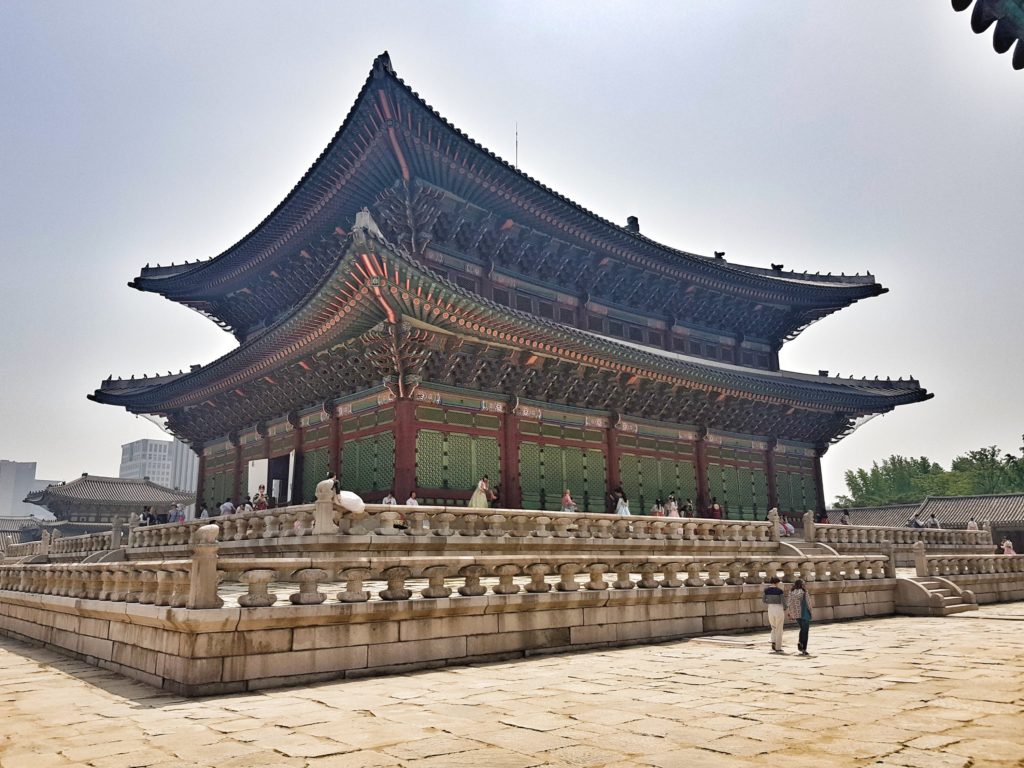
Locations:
(903, 480)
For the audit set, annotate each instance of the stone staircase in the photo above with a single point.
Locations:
(932, 596)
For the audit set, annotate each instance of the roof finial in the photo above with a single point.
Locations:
(383, 63)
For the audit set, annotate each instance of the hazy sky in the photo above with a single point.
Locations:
(838, 136)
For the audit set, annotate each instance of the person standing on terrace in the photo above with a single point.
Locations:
(844, 519)
(657, 509)
(389, 498)
(671, 506)
(481, 498)
(972, 524)
(412, 501)
(622, 504)
(568, 505)
(774, 599)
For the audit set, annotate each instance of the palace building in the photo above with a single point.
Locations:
(417, 313)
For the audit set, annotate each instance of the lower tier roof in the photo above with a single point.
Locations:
(382, 316)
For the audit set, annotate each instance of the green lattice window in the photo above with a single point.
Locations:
(368, 464)
(455, 460)
(315, 466)
(545, 471)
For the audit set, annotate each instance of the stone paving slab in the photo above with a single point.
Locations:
(901, 692)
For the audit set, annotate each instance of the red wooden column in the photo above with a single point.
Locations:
(703, 500)
(818, 453)
(611, 453)
(405, 447)
(334, 446)
(236, 489)
(769, 468)
(511, 490)
(300, 463)
(200, 477)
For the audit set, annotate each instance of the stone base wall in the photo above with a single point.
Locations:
(991, 587)
(200, 652)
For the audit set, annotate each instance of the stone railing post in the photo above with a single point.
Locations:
(920, 559)
(115, 533)
(506, 579)
(202, 591)
(44, 543)
(773, 518)
(890, 565)
(808, 526)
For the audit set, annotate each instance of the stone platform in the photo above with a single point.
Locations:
(895, 691)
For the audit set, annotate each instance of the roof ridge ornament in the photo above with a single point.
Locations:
(365, 222)
(383, 64)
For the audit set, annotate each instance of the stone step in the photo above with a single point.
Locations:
(951, 599)
(962, 608)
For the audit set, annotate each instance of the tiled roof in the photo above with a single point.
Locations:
(15, 524)
(957, 510)
(894, 515)
(950, 511)
(93, 489)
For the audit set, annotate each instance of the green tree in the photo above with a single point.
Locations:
(902, 480)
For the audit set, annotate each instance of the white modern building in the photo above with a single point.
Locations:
(18, 480)
(169, 463)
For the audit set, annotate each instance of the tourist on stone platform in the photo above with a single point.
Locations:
(657, 509)
(688, 508)
(1007, 546)
(412, 501)
(622, 505)
(389, 498)
(933, 522)
(821, 518)
(798, 609)
(227, 507)
(913, 522)
(773, 599)
(568, 505)
(671, 506)
(247, 504)
(972, 525)
(260, 502)
(481, 498)
(844, 519)
(204, 513)
(715, 510)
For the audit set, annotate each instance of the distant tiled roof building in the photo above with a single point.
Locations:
(895, 515)
(1004, 510)
(95, 499)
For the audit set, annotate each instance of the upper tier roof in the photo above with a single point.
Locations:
(390, 135)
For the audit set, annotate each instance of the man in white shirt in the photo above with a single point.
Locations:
(412, 501)
(972, 525)
(227, 508)
(389, 498)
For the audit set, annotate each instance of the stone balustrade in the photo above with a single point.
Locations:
(494, 524)
(178, 583)
(25, 549)
(164, 583)
(83, 546)
(945, 565)
(869, 534)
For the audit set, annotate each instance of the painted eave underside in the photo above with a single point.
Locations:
(373, 284)
(361, 161)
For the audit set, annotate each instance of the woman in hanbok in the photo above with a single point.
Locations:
(622, 505)
(671, 507)
(481, 498)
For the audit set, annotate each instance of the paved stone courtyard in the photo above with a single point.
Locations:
(913, 692)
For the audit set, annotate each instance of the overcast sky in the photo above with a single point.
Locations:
(839, 136)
